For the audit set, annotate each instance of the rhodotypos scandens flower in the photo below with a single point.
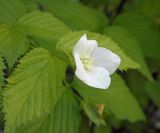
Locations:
(94, 64)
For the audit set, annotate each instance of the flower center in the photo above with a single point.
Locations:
(87, 63)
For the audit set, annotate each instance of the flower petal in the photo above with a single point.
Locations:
(80, 71)
(85, 47)
(98, 77)
(105, 58)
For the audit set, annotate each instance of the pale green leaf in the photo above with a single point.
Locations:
(68, 42)
(63, 118)
(11, 11)
(13, 43)
(130, 45)
(76, 15)
(117, 99)
(42, 24)
(35, 87)
(142, 27)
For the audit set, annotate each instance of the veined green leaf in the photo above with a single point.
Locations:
(116, 98)
(76, 15)
(42, 24)
(63, 118)
(35, 87)
(13, 43)
(130, 45)
(11, 11)
(68, 42)
(142, 27)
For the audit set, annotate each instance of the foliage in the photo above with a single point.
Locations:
(38, 90)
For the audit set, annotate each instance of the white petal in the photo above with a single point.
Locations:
(98, 77)
(105, 58)
(80, 71)
(84, 47)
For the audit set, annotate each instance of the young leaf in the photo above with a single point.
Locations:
(130, 45)
(117, 99)
(63, 118)
(42, 24)
(76, 16)
(142, 28)
(13, 43)
(68, 42)
(11, 11)
(34, 87)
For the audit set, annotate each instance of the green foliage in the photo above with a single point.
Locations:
(42, 25)
(39, 92)
(67, 43)
(79, 17)
(117, 99)
(153, 91)
(17, 25)
(12, 40)
(64, 117)
(11, 11)
(1, 73)
(92, 112)
(142, 27)
(130, 45)
(35, 87)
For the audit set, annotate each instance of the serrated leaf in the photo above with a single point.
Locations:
(1, 72)
(67, 43)
(130, 45)
(142, 27)
(153, 91)
(13, 43)
(76, 15)
(42, 24)
(35, 87)
(117, 99)
(1, 84)
(11, 11)
(63, 118)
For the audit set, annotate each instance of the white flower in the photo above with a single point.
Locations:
(94, 64)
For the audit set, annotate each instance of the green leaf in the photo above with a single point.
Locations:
(35, 87)
(13, 43)
(130, 45)
(11, 11)
(102, 129)
(76, 15)
(142, 27)
(117, 99)
(63, 118)
(1, 90)
(68, 42)
(42, 24)
(153, 91)
(92, 112)
(1, 72)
